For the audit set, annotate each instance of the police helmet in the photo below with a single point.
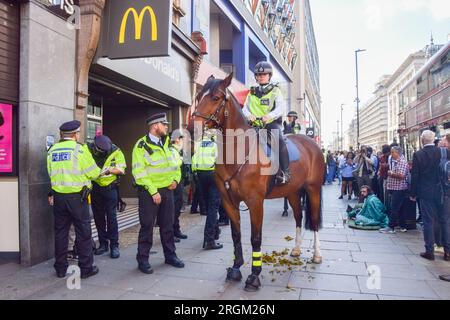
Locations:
(263, 67)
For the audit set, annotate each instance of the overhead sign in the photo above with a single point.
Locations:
(6, 139)
(62, 8)
(137, 28)
(310, 133)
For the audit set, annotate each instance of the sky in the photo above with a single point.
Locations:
(390, 30)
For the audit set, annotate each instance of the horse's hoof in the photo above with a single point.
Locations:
(252, 284)
(285, 214)
(234, 275)
(317, 260)
(296, 253)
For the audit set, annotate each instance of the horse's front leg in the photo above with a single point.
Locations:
(234, 273)
(253, 282)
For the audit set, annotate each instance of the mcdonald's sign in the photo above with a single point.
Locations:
(137, 28)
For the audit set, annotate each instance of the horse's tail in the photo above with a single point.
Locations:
(310, 223)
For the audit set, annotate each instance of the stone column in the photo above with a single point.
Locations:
(87, 43)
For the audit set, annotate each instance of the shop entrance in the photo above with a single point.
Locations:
(121, 116)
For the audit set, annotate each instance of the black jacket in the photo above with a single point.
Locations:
(425, 181)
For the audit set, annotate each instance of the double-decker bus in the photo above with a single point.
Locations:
(425, 102)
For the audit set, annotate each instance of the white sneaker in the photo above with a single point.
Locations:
(403, 230)
(387, 231)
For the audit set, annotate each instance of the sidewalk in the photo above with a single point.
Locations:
(347, 256)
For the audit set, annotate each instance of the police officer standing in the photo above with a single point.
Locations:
(71, 168)
(204, 165)
(105, 193)
(156, 174)
(176, 146)
(292, 127)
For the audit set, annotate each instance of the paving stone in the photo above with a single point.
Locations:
(189, 288)
(338, 268)
(400, 287)
(441, 288)
(374, 258)
(308, 294)
(266, 293)
(329, 282)
(413, 272)
(378, 248)
(87, 292)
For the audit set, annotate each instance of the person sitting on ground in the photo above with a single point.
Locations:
(373, 211)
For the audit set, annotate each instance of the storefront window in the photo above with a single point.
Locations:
(94, 117)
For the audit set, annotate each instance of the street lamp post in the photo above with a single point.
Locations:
(338, 136)
(357, 95)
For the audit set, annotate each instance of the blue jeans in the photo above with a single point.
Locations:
(212, 201)
(433, 210)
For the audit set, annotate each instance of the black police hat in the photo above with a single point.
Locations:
(70, 127)
(157, 118)
(103, 143)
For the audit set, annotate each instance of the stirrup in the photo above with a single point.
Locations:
(283, 178)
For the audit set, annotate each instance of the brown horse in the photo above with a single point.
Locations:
(243, 182)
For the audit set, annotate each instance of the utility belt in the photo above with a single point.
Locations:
(145, 189)
(114, 185)
(83, 194)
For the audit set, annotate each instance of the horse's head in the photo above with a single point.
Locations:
(210, 104)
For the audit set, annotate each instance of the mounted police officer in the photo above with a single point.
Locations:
(291, 126)
(266, 102)
(156, 175)
(204, 166)
(105, 193)
(71, 168)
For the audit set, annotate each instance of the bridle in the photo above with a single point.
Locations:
(214, 117)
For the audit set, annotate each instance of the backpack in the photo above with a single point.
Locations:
(444, 169)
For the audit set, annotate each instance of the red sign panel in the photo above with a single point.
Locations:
(6, 139)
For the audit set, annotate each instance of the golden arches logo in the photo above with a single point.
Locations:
(138, 20)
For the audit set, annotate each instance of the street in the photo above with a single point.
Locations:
(348, 255)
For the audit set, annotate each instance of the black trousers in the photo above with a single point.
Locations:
(197, 199)
(178, 202)
(283, 151)
(212, 200)
(69, 209)
(148, 212)
(104, 207)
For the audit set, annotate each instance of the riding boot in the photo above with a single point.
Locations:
(285, 175)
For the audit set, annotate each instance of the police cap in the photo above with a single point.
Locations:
(157, 118)
(70, 127)
(103, 143)
(293, 114)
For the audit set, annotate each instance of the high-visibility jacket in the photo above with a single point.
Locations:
(116, 160)
(205, 157)
(297, 129)
(154, 167)
(261, 107)
(71, 166)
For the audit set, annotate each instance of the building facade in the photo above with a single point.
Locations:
(402, 75)
(310, 73)
(72, 77)
(373, 123)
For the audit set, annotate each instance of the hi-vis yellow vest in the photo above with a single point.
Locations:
(205, 157)
(155, 169)
(115, 160)
(71, 166)
(261, 107)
